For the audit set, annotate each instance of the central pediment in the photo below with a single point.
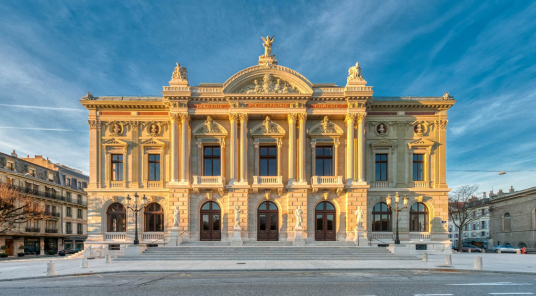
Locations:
(268, 79)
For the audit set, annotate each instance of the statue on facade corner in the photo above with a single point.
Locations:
(354, 73)
(298, 212)
(180, 73)
(268, 45)
(359, 217)
(176, 217)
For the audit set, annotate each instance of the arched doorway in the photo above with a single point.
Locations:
(325, 222)
(267, 222)
(210, 222)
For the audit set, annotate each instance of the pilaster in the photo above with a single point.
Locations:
(440, 181)
(292, 117)
(174, 151)
(302, 117)
(135, 152)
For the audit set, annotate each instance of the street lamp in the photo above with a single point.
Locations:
(134, 207)
(397, 209)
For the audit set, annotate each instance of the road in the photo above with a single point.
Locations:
(409, 282)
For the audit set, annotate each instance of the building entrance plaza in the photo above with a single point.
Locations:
(268, 152)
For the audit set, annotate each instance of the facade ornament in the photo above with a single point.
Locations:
(417, 129)
(268, 127)
(135, 125)
(154, 130)
(302, 117)
(89, 96)
(176, 217)
(292, 117)
(359, 217)
(325, 127)
(185, 118)
(243, 117)
(233, 117)
(115, 128)
(94, 124)
(268, 45)
(237, 215)
(174, 116)
(354, 73)
(299, 219)
(180, 73)
(360, 117)
(210, 127)
(350, 117)
(269, 85)
(279, 142)
(381, 129)
(441, 124)
(446, 96)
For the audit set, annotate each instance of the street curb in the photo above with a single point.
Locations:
(442, 269)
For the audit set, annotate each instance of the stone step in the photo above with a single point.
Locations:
(253, 258)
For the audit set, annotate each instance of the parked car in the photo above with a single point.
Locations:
(62, 253)
(505, 249)
(466, 247)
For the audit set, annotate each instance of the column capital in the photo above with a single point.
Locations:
(233, 117)
(94, 124)
(302, 117)
(291, 117)
(361, 117)
(441, 124)
(174, 116)
(243, 117)
(185, 118)
(350, 118)
(135, 125)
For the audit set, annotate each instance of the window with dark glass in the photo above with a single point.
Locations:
(69, 227)
(418, 167)
(507, 222)
(381, 217)
(211, 161)
(154, 217)
(69, 212)
(418, 217)
(10, 166)
(324, 161)
(79, 199)
(116, 218)
(79, 228)
(268, 160)
(154, 167)
(79, 213)
(381, 167)
(68, 182)
(117, 167)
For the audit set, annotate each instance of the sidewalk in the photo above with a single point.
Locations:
(492, 262)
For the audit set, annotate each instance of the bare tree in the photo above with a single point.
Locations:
(464, 208)
(17, 207)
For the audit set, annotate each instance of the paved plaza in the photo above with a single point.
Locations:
(31, 268)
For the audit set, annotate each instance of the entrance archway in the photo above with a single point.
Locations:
(210, 222)
(267, 222)
(325, 229)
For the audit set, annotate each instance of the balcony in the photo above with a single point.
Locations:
(380, 184)
(152, 236)
(267, 182)
(51, 231)
(419, 236)
(207, 182)
(326, 182)
(116, 184)
(69, 231)
(420, 184)
(43, 194)
(154, 184)
(52, 214)
(115, 236)
(33, 229)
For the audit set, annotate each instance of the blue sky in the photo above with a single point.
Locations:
(481, 52)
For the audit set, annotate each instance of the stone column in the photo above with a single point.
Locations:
(302, 117)
(175, 148)
(291, 147)
(441, 164)
(185, 122)
(135, 155)
(361, 147)
(233, 151)
(401, 165)
(243, 148)
(349, 148)
(94, 155)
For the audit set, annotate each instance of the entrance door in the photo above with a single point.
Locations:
(325, 222)
(210, 222)
(9, 245)
(267, 222)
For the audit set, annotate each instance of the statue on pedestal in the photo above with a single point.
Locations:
(176, 217)
(237, 216)
(298, 212)
(354, 73)
(359, 217)
(268, 45)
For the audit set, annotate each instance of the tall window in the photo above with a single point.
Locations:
(116, 217)
(381, 217)
(10, 166)
(69, 182)
(68, 227)
(211, 161)
(268, 160)
(79, 214)
(324, 161)
(381, 167)
(154, 167)
(418, 217)
(69, 212)
(507, 222)
(154, 217)
(79, 228)
(418, 166)
(117, 167)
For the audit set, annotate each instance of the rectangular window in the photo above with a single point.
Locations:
(69, 213)
(324, 161)
(79, 199)
(79, 214)
(69, 182)
(32, 172)
(79, 228)
(268, 160)
(68, 198)
(54, 209)
(154, 167)
(381, 167)
(117, 167)
(79, 185)
(68, 227)
(10, 166)
(418, 165)
(483, 224)
(211, 161)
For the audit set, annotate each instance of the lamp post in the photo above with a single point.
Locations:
(397, 209)
(134, 207)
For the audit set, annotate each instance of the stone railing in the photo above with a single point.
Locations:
(116, 236)
(381, 184)
(359, 88)
(206, 90)
(207, 180)
(153, 236)
(267, 180)
(381, 235)
(420, 184)
(116, 184)
(153, 184)
(176, 88)
(326, 180)
(419, 235)
(329, 89)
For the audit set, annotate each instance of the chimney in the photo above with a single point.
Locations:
(500, 192)
(484, 194)
(491, 193)
(511, 189)
(14, 154)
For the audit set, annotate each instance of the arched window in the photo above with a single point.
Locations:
(418, 218)
(154, 217)
(116, 216)
(507, 222)
(381, 217)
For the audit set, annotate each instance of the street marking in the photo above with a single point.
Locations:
(528, 293)
(433, 294)
(492, 284)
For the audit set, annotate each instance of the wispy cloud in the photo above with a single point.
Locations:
(37, 129)
(44, 108)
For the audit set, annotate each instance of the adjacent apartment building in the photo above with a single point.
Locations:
(60, 191)
(477, 231)
(268, 150)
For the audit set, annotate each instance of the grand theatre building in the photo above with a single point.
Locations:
(268, 154)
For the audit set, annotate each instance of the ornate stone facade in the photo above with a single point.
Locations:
(279, 138)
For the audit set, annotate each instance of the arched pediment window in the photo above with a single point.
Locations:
(418, 217)
(116, 217)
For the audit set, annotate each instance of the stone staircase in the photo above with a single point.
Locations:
(265, 251)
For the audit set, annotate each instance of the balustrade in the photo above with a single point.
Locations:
(153, 184)
(116, 184)
(327, 180)
(381, 184)
(419, 236)
(116, 236)
(207, 180)
(267, 180)
(153, 236)
(420, 184)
